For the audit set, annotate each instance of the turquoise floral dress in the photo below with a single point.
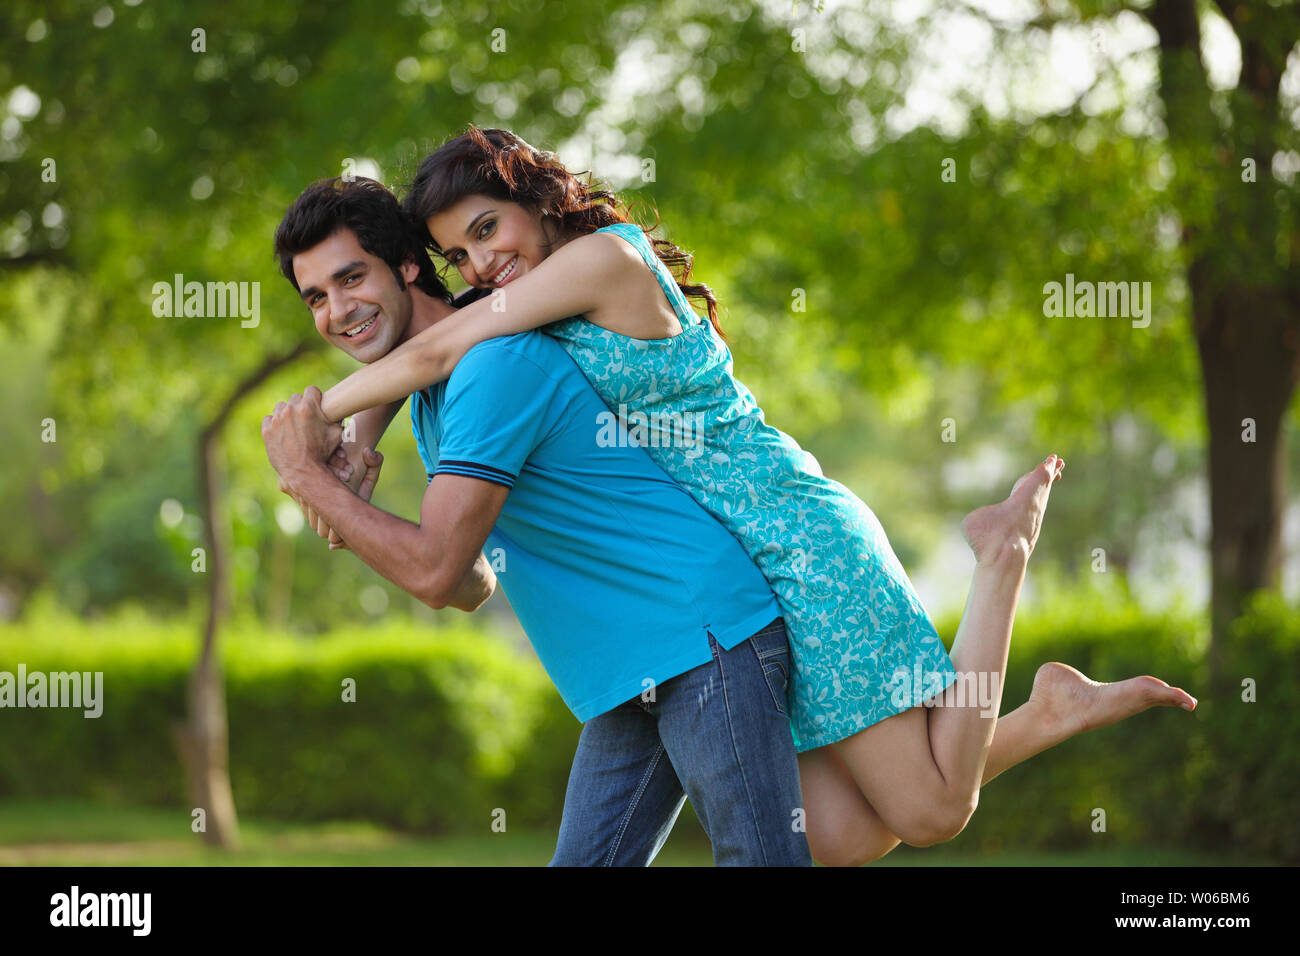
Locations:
(862, 646)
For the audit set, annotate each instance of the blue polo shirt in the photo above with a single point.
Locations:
(616, 574)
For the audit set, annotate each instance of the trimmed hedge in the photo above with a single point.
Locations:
(1221, 779)
(444, 723)
(451, 723)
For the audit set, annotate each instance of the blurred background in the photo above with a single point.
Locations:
(880, 193)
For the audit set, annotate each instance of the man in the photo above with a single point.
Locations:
(658, 631)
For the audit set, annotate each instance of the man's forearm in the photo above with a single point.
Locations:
(393, 546)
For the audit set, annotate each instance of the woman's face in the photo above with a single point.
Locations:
(491, 241)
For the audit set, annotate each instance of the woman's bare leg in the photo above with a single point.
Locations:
(1066, 702)
(920, 771)
(844, 829)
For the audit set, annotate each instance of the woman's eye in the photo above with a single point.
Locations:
(486, 229)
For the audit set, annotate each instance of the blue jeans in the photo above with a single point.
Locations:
(718, 734)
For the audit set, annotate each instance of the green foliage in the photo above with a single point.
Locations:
(1253, 748)
(450, 725)
(779, 169)
(1219, 779)
(443, 730)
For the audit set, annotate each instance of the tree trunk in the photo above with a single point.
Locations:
(1242, 272)
(202, 740)
(1249, 361)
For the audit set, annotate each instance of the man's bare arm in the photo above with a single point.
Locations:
(348, 462)
(440, 560)
(476, 587)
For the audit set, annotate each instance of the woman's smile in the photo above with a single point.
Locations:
(508, 272)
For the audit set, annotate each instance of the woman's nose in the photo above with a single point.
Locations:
(482, 262)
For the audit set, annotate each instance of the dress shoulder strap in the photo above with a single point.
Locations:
(635, 235)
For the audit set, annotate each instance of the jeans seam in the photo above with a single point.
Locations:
(740, 764)
(636, 798)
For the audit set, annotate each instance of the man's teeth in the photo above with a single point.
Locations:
(506, 271)
(361, 328)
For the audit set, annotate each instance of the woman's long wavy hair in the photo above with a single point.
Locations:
(497, 163)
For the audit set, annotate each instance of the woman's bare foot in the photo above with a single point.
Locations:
(1012, 526)
(1070, 702)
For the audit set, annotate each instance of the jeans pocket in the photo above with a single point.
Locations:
(778, 682)
(772, 649)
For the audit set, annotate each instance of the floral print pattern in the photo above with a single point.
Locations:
(862, 646)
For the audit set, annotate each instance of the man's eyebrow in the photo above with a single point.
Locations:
(336, 275)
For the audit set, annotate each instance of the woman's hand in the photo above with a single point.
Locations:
(371, 462)
(348, 464)
(360, 479)
(351, 474)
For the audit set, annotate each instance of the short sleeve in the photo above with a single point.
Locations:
(497, 410)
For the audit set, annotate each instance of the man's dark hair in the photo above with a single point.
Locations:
(370, 211)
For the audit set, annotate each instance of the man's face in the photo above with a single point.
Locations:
(349, 290)
(491, 241)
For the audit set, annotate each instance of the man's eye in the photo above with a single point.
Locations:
(354, 275)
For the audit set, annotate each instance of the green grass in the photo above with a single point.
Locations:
(55, 833)
(78, 833)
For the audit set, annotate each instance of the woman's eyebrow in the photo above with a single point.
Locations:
(470, 227)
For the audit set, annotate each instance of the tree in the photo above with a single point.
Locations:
(1242, 248)
(891, 251)
(150, 141)
(151, 152)
(202, 740)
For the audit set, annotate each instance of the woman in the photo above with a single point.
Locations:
(889, 748)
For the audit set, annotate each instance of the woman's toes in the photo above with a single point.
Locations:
(1042, 473)
(1163, 695)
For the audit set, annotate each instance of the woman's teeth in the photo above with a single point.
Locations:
(361, 328)
(507, 272)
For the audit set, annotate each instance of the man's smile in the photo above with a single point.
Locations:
(363, 329)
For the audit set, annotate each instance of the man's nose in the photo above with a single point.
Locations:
(341, 307)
